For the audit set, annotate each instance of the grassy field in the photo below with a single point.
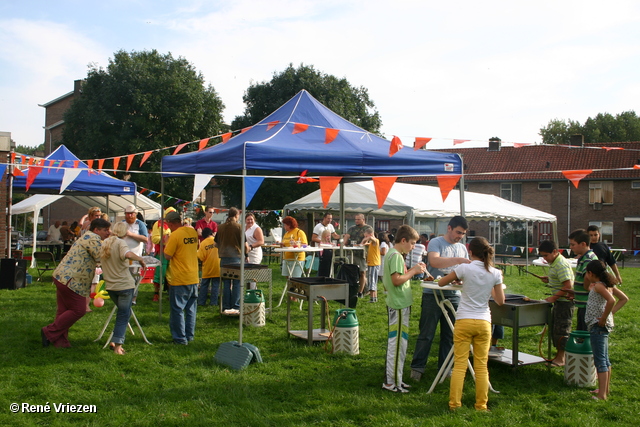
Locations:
(165, 384)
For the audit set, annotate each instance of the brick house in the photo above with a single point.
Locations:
(532, 175)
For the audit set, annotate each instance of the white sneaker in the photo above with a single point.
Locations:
(394, 388)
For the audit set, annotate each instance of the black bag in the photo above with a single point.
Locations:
(351, 274)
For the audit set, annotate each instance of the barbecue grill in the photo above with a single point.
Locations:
(310, 289)
(518, 311)
(252, 272)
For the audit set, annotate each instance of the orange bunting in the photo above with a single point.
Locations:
(636, 166)
(460, 141)
(31, 161)
(303, 178)
(330, 135)
(129, 161)
(17, 172)
(446, 184)
(33, 172)
(90, 165)
(13, 157)
(396, 145)
(203, 143)
(613, 148)
(270, 125)
(116, 162)
(519, 144)
(24, 159)
(382, 185)
(225, 137)
(420, 142)
(60, 165)
(145, 157)
(328, 185)
(576, 175)
(178, 148)
(100, 165)
(76, 163)
(299, 128)
(245, 129)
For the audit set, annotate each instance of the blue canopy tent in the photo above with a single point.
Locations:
(51, 177)
(294, 138)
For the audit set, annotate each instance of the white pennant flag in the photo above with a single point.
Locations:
(199, 183)
(70, 174)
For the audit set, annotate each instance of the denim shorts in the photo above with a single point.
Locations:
(600, 347)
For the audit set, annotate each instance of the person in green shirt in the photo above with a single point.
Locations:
(396, 280)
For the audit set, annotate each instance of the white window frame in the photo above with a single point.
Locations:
(601, 192)
(606, 230)
(508, 186)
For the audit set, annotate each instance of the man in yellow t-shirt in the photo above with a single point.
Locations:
(182, 251)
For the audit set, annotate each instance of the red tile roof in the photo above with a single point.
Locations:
(545, 162)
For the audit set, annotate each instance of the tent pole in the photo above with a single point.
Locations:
(243, 216)
(9, 200)
(462, 211)
(343, 220)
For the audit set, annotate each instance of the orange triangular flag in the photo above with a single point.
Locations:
(446, 184)
(270, 125)
(519, 144)
(178, 148)
(203, 143)
(245, 129)
(116, 162)
(13, 158)
(60, 165)
(34, 171)
(76, 163)
(299, 128)
(17, 172)
(576, 176)
(226, 136)
(396, 145)
(613, 148)
(421, 142)
(328, 185)
(90, 164)
(636, 166)
(460, 141)
(130, 160)
(330, 135)
(145, 157)
(31, 160)
(100, 165)
(382, 185)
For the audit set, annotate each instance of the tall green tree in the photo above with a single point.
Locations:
(143, 101)
(605, 127)
(262, 99)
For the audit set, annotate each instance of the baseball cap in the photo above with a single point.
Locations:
(130, 208)
(169, 209)
(172, 216)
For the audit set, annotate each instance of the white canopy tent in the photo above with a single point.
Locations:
(107, 203)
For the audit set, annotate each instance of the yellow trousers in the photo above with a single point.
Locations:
(478, 333)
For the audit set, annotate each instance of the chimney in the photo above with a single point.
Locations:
(576, 140)
(495, 144)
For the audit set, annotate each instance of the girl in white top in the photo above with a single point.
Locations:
(255, 239)
(479, 280)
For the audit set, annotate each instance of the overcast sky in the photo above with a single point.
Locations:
(446, 70)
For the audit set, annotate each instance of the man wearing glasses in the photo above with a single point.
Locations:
(136, 237)
(444, 253)
(206, 222)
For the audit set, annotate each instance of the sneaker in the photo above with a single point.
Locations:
(394, 388)
(156, 298)
(359, 294)
(416, 375)
(373, 299)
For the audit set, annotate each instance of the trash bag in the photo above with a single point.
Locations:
(351, 274)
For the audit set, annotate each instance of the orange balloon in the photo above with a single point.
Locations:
(98, 302)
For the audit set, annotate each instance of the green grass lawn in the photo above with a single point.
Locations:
(165, 384)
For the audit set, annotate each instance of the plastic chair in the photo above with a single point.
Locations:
(47, 259)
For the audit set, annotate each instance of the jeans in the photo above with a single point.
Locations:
(478, 333)
(214, 282)
(600, 347)
(429, 318)
(182, 317)
(231, 288)
(122, 300)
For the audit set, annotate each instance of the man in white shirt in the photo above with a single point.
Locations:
(324, 268)
(136, 237)
(53, 235)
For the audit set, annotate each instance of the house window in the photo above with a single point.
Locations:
(383, 225)
(635, 185)
(545, 186)
(511, 192)
(601, 192)
(606, 230)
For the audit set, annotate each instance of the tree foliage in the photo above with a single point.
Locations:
(142, 101)
(623, 127)
(262, 99)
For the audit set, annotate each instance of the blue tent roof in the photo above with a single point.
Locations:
(267, 147)
(49, 179)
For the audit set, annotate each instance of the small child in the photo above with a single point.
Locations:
(397, 282)
(208, 254)
(601, 306)
(325, 238)
(473, 320)
(373, 263)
